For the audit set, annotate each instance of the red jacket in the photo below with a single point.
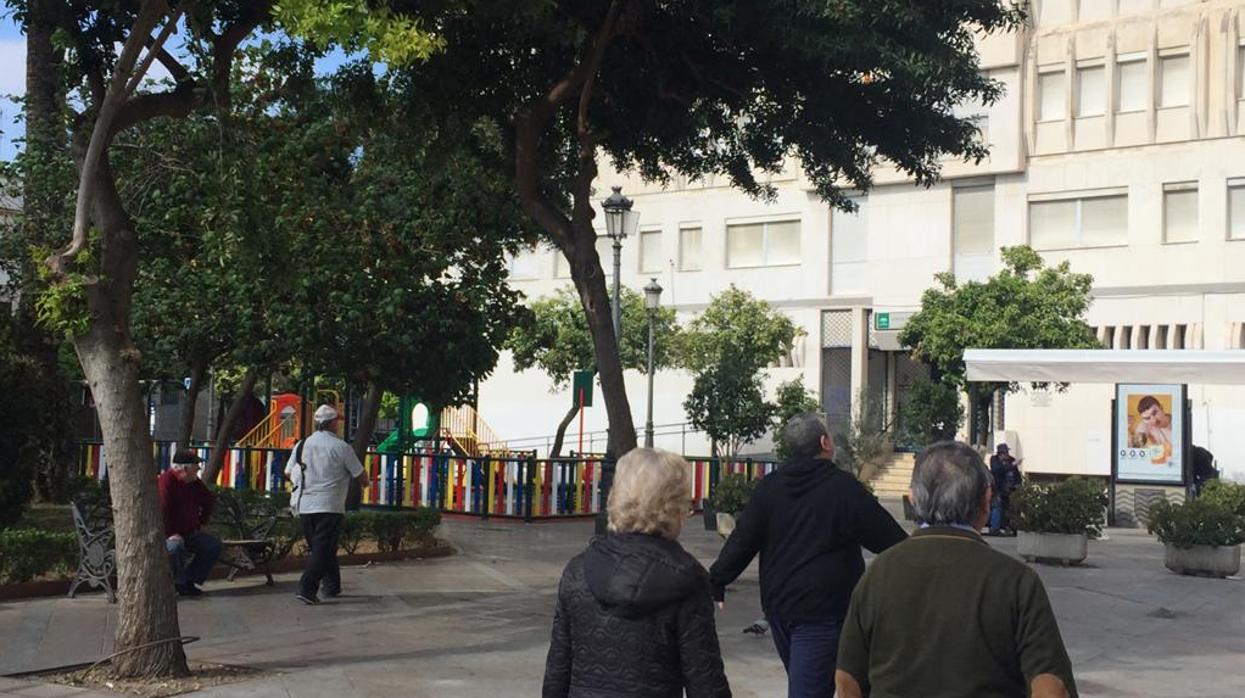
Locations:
(186, 506)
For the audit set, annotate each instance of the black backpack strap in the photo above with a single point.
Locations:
(302, 470)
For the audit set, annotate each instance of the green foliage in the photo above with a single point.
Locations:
(726, 348)
(732, 493)
(868, 439)
(1199, 522)
(557, 341)
(28, 553)
(1027, 305)
(61, 306)
(791, 398)
(388, 37)
(397, 530)
(1076, 505)
(931, 412)
(1225, 493)
(354, 530)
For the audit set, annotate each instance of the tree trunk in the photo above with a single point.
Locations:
(147, 623)
(224, 434)
(187, 425)
(368, 412)
(556, 450)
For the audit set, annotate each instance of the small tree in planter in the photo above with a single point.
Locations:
(1203, 537)
(1054, 522)
(730, 497)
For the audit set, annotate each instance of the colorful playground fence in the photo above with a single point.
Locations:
(527, 488)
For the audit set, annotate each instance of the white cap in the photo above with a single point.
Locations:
(325, 413)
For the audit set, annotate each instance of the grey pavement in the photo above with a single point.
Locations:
(477, 624)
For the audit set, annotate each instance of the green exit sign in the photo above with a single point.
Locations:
(882, 321)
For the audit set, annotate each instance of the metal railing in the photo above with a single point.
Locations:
(517, 487)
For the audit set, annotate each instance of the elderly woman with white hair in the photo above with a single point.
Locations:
(634, 616)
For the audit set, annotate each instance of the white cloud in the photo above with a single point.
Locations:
(13, 66)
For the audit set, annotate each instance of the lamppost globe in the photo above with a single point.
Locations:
(652, 295)
(620, 220)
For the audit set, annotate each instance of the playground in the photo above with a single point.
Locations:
(477, 624)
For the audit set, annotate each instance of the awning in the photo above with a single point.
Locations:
(1193, 366)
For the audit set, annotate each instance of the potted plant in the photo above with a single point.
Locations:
(728, 499)
(1202, 537)
(1054, 521)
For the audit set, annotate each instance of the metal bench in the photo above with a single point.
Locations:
(97, 553)
(251, 520)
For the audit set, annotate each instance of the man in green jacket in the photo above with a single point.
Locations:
(943, 613)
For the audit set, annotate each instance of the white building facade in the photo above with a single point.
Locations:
(1119, 146)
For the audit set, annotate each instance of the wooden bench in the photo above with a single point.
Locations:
(251, 521)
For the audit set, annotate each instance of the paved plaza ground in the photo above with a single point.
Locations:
(477, 624)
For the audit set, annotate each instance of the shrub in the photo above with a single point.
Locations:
(1229, 494)
(930, 413)
(731, 494)
(28, 553)
(396, 530)
(1199, 522)
(354, 530)
(1074, 506)
(792, 398)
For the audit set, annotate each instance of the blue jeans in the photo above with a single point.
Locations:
(205, 548)
(809, 652)
(996, 515)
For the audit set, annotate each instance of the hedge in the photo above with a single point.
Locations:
(26, 553)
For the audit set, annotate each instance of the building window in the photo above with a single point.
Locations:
(1132, 84)
(1091, 91)
(763, 244)
(1180, 212)
(849, 249)
(689, 249)
(1236, 208)
(1174, 81)
(972, 231)
(650, 251)
(1052, 97)
(1097, 220)
(525, 264)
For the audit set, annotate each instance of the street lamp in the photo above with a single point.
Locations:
(620, 221)
(652, 302)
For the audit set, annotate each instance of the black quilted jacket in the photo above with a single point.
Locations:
(634, 618)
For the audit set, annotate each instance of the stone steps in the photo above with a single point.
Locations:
(893, 478)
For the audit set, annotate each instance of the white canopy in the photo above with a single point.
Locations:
(1193, 366)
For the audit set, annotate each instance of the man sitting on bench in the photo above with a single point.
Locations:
(187, 504)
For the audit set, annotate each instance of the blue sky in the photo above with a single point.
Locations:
(13, 80)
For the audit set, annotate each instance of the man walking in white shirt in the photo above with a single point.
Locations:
(321, 467)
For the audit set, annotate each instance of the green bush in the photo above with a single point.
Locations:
(28, 553)
(1075, 505)
(1199, 522)
(397, 530)
(731, 494)
(354, 530)
(931, 412)
(1229, 494)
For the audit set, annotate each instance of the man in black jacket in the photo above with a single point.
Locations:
(808, 520)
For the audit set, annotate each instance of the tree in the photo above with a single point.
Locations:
(91, 279)
(726, 348)
(931, 412)
(1027, 305)
(791, 398)
(558, 342)
(691, 89)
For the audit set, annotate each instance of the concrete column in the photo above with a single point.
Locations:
(860, 356)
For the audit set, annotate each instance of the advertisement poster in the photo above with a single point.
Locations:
(1149, 434)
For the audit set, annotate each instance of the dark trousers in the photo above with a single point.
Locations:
(809, 652)
(205, 549)
(321, 532)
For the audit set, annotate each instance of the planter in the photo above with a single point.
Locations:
(711, 519)
(1205, 560)
(726, 524)
(1059, 548)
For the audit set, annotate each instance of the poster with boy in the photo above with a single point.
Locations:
(1150, 435)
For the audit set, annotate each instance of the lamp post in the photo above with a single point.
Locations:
(652, 302)
(620, 221)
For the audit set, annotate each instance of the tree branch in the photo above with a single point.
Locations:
(101, 133)
(154, 48)
(170, 63)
